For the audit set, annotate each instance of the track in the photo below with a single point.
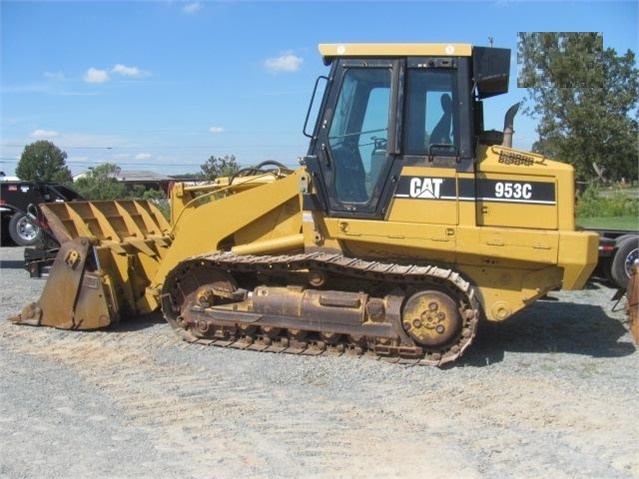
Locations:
(201, 299)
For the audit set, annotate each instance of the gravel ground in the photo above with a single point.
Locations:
(550, 393)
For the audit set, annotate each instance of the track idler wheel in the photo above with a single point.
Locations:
(432, 319)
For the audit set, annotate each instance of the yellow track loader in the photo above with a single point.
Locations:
(406, 224)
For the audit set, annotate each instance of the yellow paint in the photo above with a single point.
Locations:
(395, 49)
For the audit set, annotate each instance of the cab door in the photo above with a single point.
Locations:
(428, 185)
(355, 140)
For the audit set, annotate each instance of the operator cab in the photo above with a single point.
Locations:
(387, 106)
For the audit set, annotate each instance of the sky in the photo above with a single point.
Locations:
(163, 85)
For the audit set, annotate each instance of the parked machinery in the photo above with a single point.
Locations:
(406, 223)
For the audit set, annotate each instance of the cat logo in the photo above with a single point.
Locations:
(428, 188)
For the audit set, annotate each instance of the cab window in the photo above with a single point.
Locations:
(431, 115)
(358, 133)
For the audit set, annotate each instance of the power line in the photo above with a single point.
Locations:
(145, 164)
(148, 147)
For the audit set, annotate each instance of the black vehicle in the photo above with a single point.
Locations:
(618, 253)
(19, 208)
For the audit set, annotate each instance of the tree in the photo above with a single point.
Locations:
(586, 99)
(218, 166)
(142, 192)
(42, 161)
(101, 183)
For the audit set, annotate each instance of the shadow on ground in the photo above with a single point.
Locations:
(138, 323)
(545, 327)
(11, 264)
(549, 327)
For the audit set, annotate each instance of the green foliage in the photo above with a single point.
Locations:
(165, 208)
(42, 161)
(587, 102)
(101, 183)
(627, 223)
(218, 166)
(560, 60)
(158, 198)
(151, 194)
(141, 192)
(595, 202)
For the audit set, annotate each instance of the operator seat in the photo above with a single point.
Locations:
(441, 132)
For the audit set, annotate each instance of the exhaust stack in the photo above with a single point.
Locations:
(509, 120)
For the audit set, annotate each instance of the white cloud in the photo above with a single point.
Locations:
(142, 156)
(191, 8)
(287, 62)
(59, 76)
(96, 75)
(133, 72)
(93, 75)
(44, 134)
(216, 129)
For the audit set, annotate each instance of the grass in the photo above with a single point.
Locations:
(608, 208)
(610, 222)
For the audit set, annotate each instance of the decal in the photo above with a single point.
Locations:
(426, 188)
(467, 189)
(536, 192)
(506, 189)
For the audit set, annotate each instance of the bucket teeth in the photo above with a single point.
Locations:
(109, 252)
(31, 314)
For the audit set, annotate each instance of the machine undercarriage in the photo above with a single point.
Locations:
(310, 303)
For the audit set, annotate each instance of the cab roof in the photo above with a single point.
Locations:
(332, 50)
(490, 66)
